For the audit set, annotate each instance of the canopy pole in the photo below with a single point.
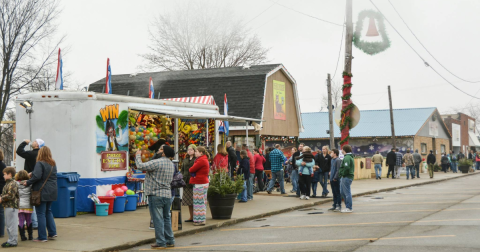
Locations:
(217, 138)
(176, 138)
(246, 132)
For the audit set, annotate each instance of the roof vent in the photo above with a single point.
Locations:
(133, 74)
(246, 67)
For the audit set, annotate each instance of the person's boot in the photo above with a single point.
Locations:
(30, 232)
(21, 230)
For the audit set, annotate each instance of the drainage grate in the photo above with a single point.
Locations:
(307, 209)
(316, 213)
(196, 243)
(378, 198)
(260, 220)
(265, 226)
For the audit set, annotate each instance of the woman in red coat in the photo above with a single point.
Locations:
(220, 161)
(259, 161)
(199, 178)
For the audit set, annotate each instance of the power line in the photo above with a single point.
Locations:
(425, 62)
(262, 12)
(426, 48)
(339, 51)
(323, 20)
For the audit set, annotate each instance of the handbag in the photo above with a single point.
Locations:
(36, 196)
(177, 181)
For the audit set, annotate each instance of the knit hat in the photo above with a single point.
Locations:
(168, 151)
(40, 142)
(192, 146)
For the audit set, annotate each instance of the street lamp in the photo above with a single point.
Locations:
(28, 106)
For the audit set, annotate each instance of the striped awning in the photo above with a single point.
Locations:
(209, 100)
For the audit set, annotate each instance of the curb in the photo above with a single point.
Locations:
(257, 216)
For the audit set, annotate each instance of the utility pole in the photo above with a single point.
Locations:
(391, 116)
(347, 76)
(330, 112)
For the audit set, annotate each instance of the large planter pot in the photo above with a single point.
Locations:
(221, 207)
(464, 168)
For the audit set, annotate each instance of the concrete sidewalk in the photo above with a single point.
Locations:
(124, 230)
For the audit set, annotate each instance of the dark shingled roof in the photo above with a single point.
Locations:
(245, 88)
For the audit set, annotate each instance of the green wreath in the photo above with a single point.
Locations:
(370, 48)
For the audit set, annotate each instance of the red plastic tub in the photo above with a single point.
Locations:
(106, 199)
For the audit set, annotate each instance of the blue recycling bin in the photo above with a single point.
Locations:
(66, 206)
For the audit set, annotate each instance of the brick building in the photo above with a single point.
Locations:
(416, 128)
(463, 130)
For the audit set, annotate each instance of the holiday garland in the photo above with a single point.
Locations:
(370, 48)
(347, 106)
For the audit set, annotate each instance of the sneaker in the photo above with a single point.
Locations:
(8, 245)
(291, 191)
(52, 237)
(347, 210)
(307, 198)
(38, 240)
(332, 209)
(269, 192)
(338, 209)
(302, 197)
(170, 245)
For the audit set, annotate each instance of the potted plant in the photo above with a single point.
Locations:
(465, 164)
(222, 192)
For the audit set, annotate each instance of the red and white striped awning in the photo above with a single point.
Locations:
(209, 100)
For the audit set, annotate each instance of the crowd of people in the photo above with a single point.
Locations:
(21, 213)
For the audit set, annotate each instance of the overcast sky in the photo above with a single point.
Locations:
(307, 47)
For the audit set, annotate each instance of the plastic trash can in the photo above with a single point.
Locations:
(66, 206)
(131, 202)
(101, 209)
(119, 204)
(107, 199)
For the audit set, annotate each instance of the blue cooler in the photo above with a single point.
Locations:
(119, 205)
(66, 206)
(131, 202)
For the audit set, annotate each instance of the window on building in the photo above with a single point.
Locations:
(424, 148)
(442, 148)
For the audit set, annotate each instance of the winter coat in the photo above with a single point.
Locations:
(2, 180)
(391, 158)
(24, 193)
(251, 158)
(417, 158)
(347, 168)
(444, 160)
(408, 159)
(220, 161)
(323, 162)
(431, 159)
(268, 165)
(186, 165)
(259, 161)
(29, 156)
(201, 168)
(10, 194)
(307, 169)
(232, 157)
(294, 158)
(334, 171)
(377, 159)
(244, 168)
(39, 175)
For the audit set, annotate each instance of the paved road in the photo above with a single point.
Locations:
(437, 217)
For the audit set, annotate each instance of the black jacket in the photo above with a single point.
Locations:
(444, 160)
(431, 159)
(29, 156)
(244, 168)
(294, 157)
(460, 156)
(324, 162)
(2, 180)
(391, 158)
(39, 175)
(232, 158)
(267, 165)
(470, 156)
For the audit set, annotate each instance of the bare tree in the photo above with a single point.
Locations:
(27, 28)
(200, 36)
(337, 93)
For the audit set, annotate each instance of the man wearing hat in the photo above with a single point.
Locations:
(159, 175)
(30, 161)
(430, 162)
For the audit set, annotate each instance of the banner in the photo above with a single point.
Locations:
(279, 100)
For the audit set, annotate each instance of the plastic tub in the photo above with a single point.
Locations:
(107, 199)
(101, 209)
(131, 202)
(119, 205)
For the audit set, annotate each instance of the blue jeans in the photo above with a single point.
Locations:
(2, 220)
(294, 179)
(276, 175)
(243, 195)
(454, 167)
(411, 170)
(160, 212)
(250, 183)
(417, 168)
(323, 182)
(337, 198)
(378, 170)
(34, 218)
(477, 164)
(45, 220)
(345, 191)
(314, 188)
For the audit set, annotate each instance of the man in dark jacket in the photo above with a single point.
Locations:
(30, 156)
(232, 157)
(430, 162)
(335, 181)
(391, 161)
(295, 167)
(324, 162)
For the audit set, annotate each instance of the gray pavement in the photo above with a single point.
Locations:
(437, 217)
